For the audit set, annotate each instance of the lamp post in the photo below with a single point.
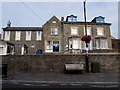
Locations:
(87, 62)
(93, 41)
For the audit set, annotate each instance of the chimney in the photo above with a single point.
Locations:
(9, 24)
(62, 19)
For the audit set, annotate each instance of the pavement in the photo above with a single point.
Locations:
(63, 77)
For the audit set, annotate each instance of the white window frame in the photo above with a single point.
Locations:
(103, 44)
(54, 31)
(70, 44)
(2, 33)
(39, 35)
(53, 21)
(100, 44)
(49, 46)
(100, 31)
(97, 43)
(17, 35)
(69, 19)
(1, 50)
(74, 30)
(88, 31)
(75, 44)
(22, 51)
(28, 37)
(7, 35)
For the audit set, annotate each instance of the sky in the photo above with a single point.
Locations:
(35, 14)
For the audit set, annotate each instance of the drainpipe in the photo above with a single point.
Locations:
(62, 29)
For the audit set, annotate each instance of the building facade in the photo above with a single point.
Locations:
(60, 36)
(26, 39)
(116, 44)
(6, 48)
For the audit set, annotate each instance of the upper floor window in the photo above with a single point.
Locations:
(100, 19)
(74, 30)
(88, 31)
(7, 35)
(53, 21)
(71, 18)
(38, 35)
(18, 34)
(28, 35)
(100, 31)
(54, 31)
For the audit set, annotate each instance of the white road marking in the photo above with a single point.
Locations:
(15, 83)
(27, 84)
(75, 84)
(63, 84)
(108, 86)
(44, 85)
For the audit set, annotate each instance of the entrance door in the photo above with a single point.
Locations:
(55, 46)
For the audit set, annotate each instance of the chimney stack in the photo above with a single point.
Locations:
(62, 19)
(9, 24)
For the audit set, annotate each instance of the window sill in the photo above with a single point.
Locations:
(38, 40)
(54, 35)
(17, 40)
(28, 40)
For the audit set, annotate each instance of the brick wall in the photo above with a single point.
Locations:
(55, 63)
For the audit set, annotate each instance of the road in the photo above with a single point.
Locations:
(44, 84)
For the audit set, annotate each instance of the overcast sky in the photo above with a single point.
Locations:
(31, 14)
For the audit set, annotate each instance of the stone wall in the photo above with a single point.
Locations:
(55, 63)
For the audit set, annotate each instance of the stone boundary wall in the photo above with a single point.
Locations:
(55, 63)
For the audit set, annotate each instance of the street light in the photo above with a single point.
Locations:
(87, 63)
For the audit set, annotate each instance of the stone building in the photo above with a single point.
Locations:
(26, 39)
(116, 44)
(97, 29)
(60, 36)
(6, 48)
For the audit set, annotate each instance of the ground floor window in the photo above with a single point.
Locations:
(1, 50)
(75, 44)
(55, 46)
(101, 44)
(52, 46)
(49, 45)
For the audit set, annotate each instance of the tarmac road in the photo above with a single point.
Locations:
(58, 80)
(44, 84)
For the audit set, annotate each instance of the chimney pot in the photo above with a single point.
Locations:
(9, 24)
(62, 18)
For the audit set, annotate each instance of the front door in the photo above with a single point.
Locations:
(55, 46)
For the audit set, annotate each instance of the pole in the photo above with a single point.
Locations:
(85, 17)
(93, 42)
(87, 63)
(85, 20)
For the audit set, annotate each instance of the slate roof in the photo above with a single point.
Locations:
(89, 23)
(23, 29)
(5, 42)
